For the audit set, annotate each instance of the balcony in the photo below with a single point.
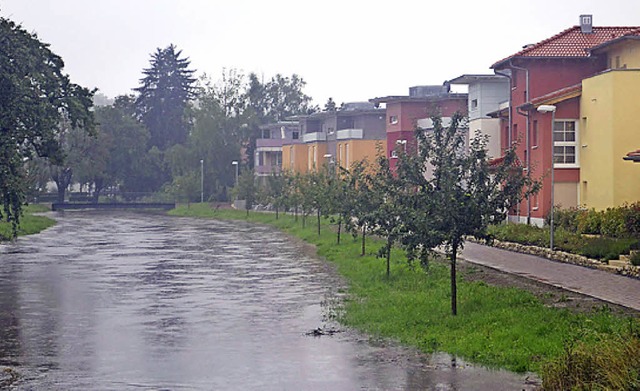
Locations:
(314, 137)
(348, 134)
(267, 170)
(269, 144)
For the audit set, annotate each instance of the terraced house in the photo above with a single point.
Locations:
(336, 138)
(574, 99)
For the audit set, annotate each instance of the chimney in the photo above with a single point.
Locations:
(586, 24)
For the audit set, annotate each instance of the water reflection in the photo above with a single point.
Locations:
(131, 301)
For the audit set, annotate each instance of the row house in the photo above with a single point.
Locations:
(268, 152)
(337, 138)
(572, 104)
(405, 113)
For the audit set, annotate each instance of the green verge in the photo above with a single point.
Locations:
(29, 223)
(497, 327)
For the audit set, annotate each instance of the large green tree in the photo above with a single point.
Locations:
(35, 97)
(458, 192)
(166, 89)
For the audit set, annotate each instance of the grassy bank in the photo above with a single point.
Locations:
(29, 223)
(497, 327)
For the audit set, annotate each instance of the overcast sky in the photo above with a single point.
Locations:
(350, 50)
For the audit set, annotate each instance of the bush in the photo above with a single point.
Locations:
(601, 248)
(632, 219)
(613, 223)
(589, 222)
(611, 363)
(634, 258)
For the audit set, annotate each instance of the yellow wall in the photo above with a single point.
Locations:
(314, 158)
(610, 111)
(359, 150)
(294, 158)
(624, 54)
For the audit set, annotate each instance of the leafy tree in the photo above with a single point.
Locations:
(387, 213)
(330, 105)
(36, 96)
(247, 189)
(465, 193)
(276, 191)
(124, 139)
(167, 87)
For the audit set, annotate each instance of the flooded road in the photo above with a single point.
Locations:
(148, 302)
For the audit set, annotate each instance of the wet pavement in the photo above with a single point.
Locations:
(122, 301)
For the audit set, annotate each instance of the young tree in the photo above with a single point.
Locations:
(167, 87)
(36, 96)
(387, 214)
(247, 189)
(465, 194)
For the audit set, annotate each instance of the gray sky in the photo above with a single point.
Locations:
(350, 50)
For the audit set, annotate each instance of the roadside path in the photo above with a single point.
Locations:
(602, 285)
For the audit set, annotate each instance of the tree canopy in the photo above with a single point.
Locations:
(35, 97)
(166, 88)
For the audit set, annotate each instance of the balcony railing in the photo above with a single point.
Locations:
(267, 170)
(346, 134)
(315, 136)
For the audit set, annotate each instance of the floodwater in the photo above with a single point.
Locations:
(132, 301)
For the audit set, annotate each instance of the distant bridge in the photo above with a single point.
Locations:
(113, 205)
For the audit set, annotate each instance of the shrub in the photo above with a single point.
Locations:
(589, 222)
(613, 223)
(611, 363)
(567, 218)
(632, 219)
(634, 258)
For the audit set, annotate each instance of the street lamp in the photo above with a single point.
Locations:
(201, 180)
(550, 109)
(235, 163)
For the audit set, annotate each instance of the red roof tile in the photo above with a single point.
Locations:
(572, 43)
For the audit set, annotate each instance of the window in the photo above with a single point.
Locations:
(474, 104)
(340, 156)
(534, 136)
(394, 154)
(393, 119)
(564, 143)
(266, 133)
(295, 135)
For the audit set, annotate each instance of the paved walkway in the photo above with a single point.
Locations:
(600, 284)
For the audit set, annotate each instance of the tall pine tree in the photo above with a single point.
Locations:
(166, 89)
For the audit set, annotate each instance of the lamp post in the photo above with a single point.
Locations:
(201, 180)
(550, 109)
(235, 163)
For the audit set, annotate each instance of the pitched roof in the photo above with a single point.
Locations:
(558, 95)
(633, 34)
(571, 42)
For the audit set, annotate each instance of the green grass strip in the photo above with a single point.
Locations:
(29, 223)
(497, 327)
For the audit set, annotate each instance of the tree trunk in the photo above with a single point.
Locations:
(364, 235)
(276, 213)
(454, 289)
(339, 228)
(98, 186)
(318, 214)
(388, 259)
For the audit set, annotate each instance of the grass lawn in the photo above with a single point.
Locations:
(29, 223)
(496, 326)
